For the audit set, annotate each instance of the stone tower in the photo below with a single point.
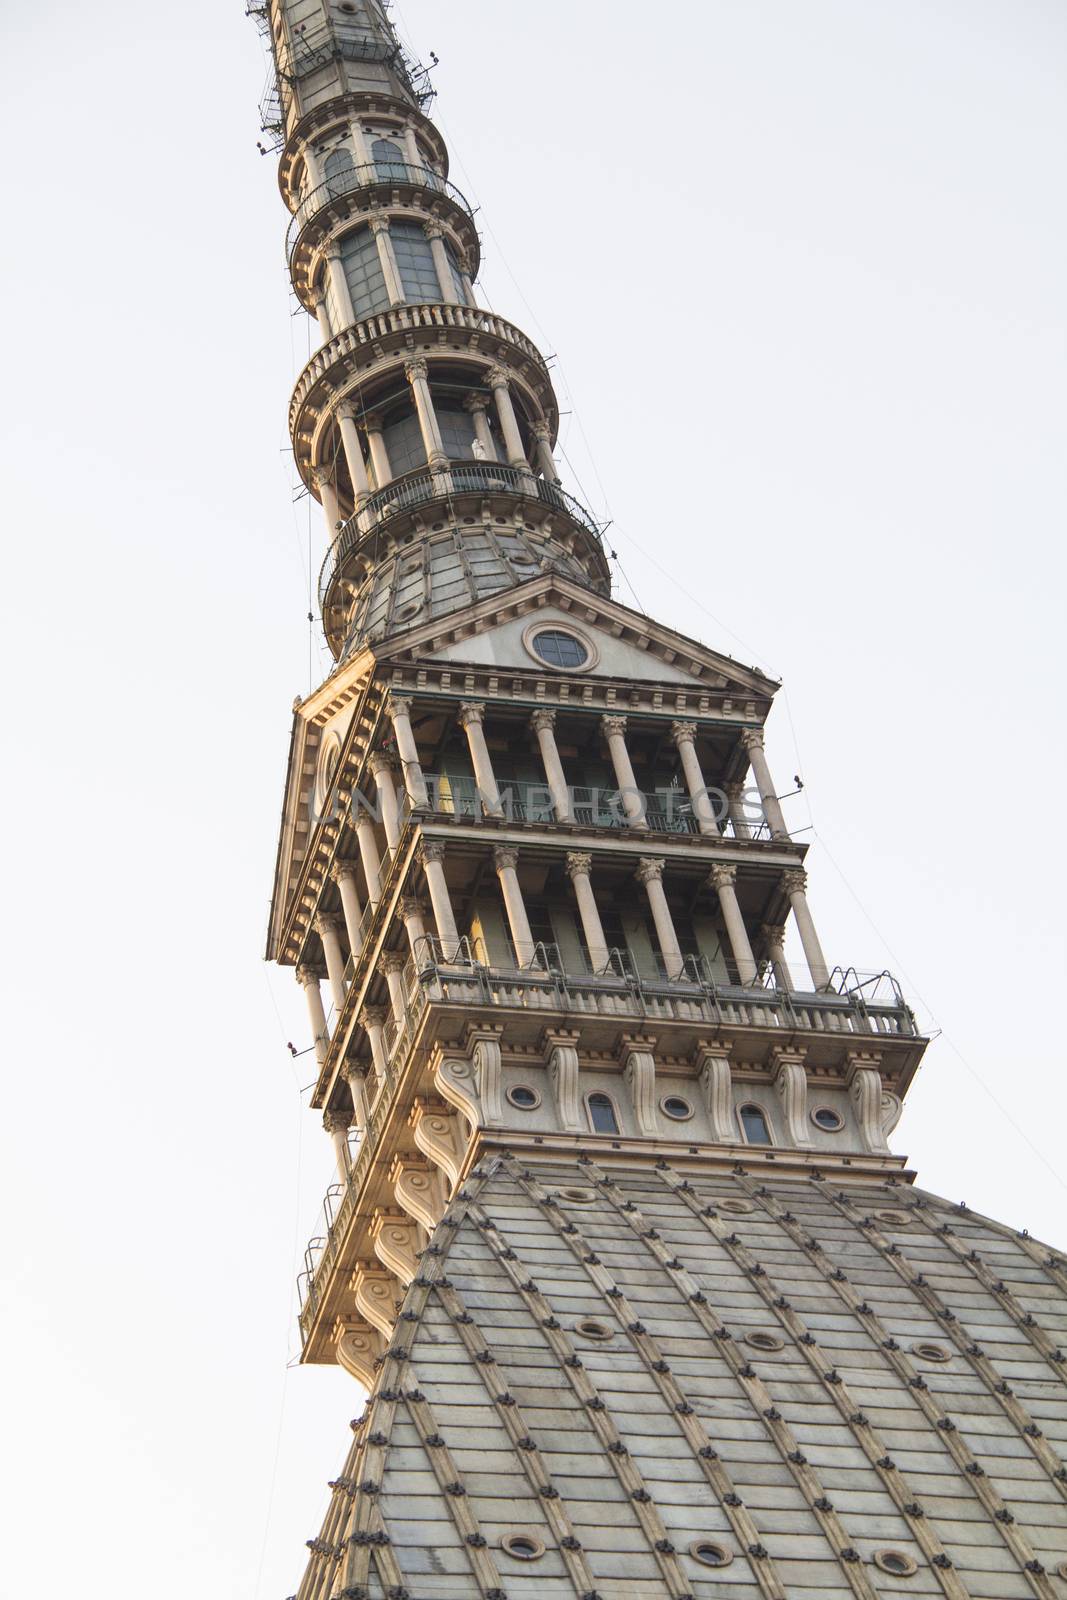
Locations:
(646, 1307)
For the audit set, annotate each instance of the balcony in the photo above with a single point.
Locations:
(416, 489)
(328, 200)
(665, 811)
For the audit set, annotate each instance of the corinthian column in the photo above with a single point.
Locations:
(722, 879)
(323, 482)
(774, 942)
(795, 884)
(381, 766)
(579, 864)
(373, 1020)
(343, 874)
(432, 855)
(471, 719)
(633, 801)
(399, 711)
(445, 281)
(310, 980)
(546, 460)
(418, 376)
(339, 284)
(357, 467)
(752, 739)
(505, 860)
(477, 405)
(391, 967)
(650, 873)
(368, 854)
(509, 425)
(328, 930)
(684, 736)
(543, 724)
(336, 1124)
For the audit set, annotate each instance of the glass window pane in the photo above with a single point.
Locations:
(389, 161)
(602, 1114)
(414, 257)
(363, 270)
(755, 1125)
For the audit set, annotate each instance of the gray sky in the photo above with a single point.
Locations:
(803, 269)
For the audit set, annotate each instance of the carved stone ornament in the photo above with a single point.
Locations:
(717, 1088)
(562, 1057)
(640, 1075)
(648, 868)
(358, 1345)
(865, 1092)
(420, 1190)
(396, 1243)
(376, 1293)
(683, 732)
(543, 721)
(437, 1133)
(579, 863)
(791, 1083)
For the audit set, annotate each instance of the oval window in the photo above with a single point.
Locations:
(521, 1095)
(672, 1105)
(710, 1554)
(523, 1546)
(577, 1197)
(591, 1328)
(740, 1208)
(896, 1562)
(926, 1350)
(828, 1119)
(764, 1341)
(559, 649)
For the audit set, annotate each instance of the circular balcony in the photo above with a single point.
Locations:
(385, 184)
(536, 526)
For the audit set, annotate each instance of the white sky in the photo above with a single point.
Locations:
(803, 266)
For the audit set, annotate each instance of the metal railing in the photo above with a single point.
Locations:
(664, 810)
(459, 477)
(378, 174)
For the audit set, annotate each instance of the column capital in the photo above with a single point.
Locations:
(360, 819)
(541, 432)
(332, 250)
(327, 922)
(398, 705)
(471, 711)
(498, 378)
(476, 402)
(752, 738)
(683, 732)
(340, 870)
(772, 932)
(378, 224)
(414, 370)
(321, 476)
(410, 905)
(373, 1017)
(392, 961)
(337, 1121)
(795, 880)
(578, 863)
(504, 856)
(372, 421)
(432, 850)
(348, 411)
(433, 229)
(382, 761)
(613, 726)
(722, 876)
(354, 1072)
(735, 790)
(306, 975)
(649, 867)
(543, 721)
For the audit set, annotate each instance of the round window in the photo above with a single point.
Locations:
(672, 1105)
(521, 1095)
(591, 1328)
(740, 1208)
(577, 1197)
(523, 1546)
(895, 1219)
(896, 1562)
(559, 649)
(764, 1341)
(710, 1554)
(828, 1119)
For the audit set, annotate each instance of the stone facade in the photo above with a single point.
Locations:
(644, 1302)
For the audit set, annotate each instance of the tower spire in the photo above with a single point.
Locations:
(617, 1244)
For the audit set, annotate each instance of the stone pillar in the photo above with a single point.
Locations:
(499, 382)
(795, 884)
(360, 147)
(391, 967)
(543, 724)
(368, 854)
(343, 874)
(684, 736)
(722, 880)
(418, 376)
(545, 459)
(633, 801)
(322, 317)
(382, 767)
(379, 455)
(355, 1075)
(373, 1020)
(477, 405)
(394, 288)
(412, 151)
(398, 709)
(445, 281)
(735, 800)
(322, 481)
(471, 719)
(329, 931)
(579, 864)
(752, 739)
(774, 943)
(465, 269)
(414, 926)
(433, 856)
(310, 981)
(357, 467)
(650, 873)
(336, 1124)
(339, 284)
(505, 860)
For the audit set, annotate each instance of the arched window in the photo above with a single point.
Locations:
(339, 170)
(414, 257)
(602, 1113)
(754, 1125)
(389, 162)
(363, 270)
(403, 443)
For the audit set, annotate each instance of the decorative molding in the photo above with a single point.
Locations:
(376, 1293)
(716, 1084)
(396, 1243)
(639, 1071)
(865, 1091)
(791, 1084)
(435, 1127)
(420, 1189)
(561, 1058)
(358, 1346)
